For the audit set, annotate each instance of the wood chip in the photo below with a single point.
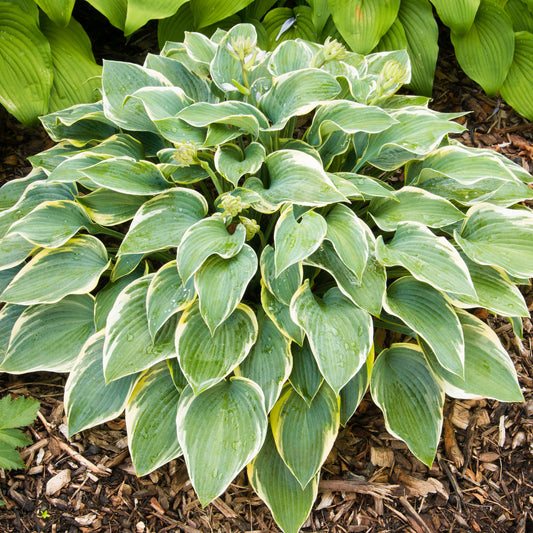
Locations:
(382, 457)
(55, 484)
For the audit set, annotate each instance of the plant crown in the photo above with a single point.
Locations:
(213, 245)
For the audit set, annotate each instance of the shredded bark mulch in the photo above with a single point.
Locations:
(481, 480)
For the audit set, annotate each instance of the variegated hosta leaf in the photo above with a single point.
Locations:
(418, 132)
(221, 284)
(362, 24)
(428, 258)
(353, 392)
(367, 292)
(411, 398)
(485, 51)
(245, 118)
(348, 234)
(489, 371)
(52, 224)
(279, 489)
(427, 312)
(125, 175)
(151, 420)
(9, 314)
(233, 163)
(294, 239)
(297, 93)
(349, 117)
(162, 221)
(105, 299)
(225, 68)
(34, 194)
(206, 358)
(280, 315)
(339, 333)
(269, 361)
(86, 380)
(220, 431)
(305, 377)
(166, 296)
(162, 102)
(49, 337)
(304, 435)
(129, 347)
(501, 237)
(125, 264)
(119, 80)
(70, 170)
(12, 191)
(284, 284)
(290, 56)
(13, 250)
(73, 268)
(110, 208)
(295, 177)
(495, 291)
(204, 238)
(367, 186)
(411, 204)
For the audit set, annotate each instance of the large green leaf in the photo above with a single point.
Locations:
(489, 371)
(297, 93)
(421, 31)
(348, 234)
(411, 398)
(76, 73)
(295, 240)
(427, 312)
(339, 333)
(52, 224)
(9, 314)
(73, 268)
(151, 420)
(162, 221)
(366, 292)
(414, 205)
(25, 63)
(428, 258)
(501, 237)
(282, 285)
(289, 56)
(516, 88)
(125, 175)
(204, 238)
(362, 23)
(295, 177)
(349, 117)
(269, 361)
(305, 377)
(49, 337)
(279, 489)
(485, 52)
(221, 284)
(305, 434)
(13, 250)
(220, 431)
(58, 11)
(129, 347)
(167, 295)
(206, 12)
(284, 23)
(86, 381)
(206, 358)
(458, 15)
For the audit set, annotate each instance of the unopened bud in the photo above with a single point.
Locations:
(251, 227)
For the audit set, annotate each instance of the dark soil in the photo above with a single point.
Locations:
(481, 481)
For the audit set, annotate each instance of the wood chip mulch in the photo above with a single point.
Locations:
(481, 481)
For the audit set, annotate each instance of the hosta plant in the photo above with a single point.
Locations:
(212, 247)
